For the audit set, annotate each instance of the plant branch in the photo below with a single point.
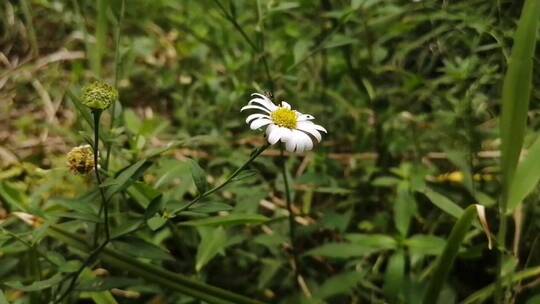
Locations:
(292, 224)
(254, 155)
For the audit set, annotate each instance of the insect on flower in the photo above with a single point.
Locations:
(296, 130)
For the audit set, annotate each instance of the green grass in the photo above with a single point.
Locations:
(428, 106)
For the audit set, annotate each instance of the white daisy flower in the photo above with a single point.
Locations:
(294, 129)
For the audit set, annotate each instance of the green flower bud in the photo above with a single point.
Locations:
(99, 95)
(81, 159)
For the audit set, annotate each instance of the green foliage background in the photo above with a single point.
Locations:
(410, 92)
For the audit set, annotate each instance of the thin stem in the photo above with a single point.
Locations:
(104, 202)
(116, 77)
(104, 206)
(254, 155)
(253, 46)
(292, 224)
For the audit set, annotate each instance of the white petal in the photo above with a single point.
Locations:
(305, 117)
(270, 128)
(278, 134)
(286, 134)
(255, 107)
(275, 136)
(285, 105)
(308, 127)
(320, 128)
(290, 145)
(261, 96)
(257, 123)
(304, 141)
(255, 116)
(263, 100)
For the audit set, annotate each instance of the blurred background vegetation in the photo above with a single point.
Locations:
(408, 90)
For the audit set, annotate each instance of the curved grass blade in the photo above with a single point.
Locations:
(485, 293)
(516, 93)
(526, 177)
(445, 262)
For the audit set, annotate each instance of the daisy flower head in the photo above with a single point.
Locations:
(294, 129)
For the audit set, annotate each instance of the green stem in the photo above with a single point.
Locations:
(104, 201)
(292, 224)
(104, 206)
(151, 273)
(254, 155)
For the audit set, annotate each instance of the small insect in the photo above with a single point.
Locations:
(269, 94)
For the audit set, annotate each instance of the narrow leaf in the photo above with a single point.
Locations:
(526, 177)
(517, 92)
(446, 260)
(230, 220)
(199, 177)
(212, 242)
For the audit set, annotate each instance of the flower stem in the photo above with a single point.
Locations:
(292, 224)
(104, 202)
(104, 206)
(254, 155)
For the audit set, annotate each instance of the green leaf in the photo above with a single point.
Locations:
(211, 207)
(199, 177)
(404, 209)
(140, 248)
(3, 299)
(425, 244)
(446, 260)
(126, 227)
(38, 285)
(516, 93)
(103, 297)
(156, 222)
(16, 200)
(213, 241)
(374, 241)
(82, 109)
(443, 203)
(79, 216)
(155, 206)
(526, 177)
(342, 283)
(342, 250)
(127, 177)
(394, 275)
(228, 220)
(132, 121)
(156, 275)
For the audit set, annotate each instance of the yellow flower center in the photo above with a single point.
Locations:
(284, 118)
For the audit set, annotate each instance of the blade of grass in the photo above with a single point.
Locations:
(486, 292)
(517, 92)
(515, 105)
(526, 177)
(168, 279)
(101, 37)
(445, 262)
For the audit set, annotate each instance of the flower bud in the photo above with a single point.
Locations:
(81, 159)
(99, 95)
